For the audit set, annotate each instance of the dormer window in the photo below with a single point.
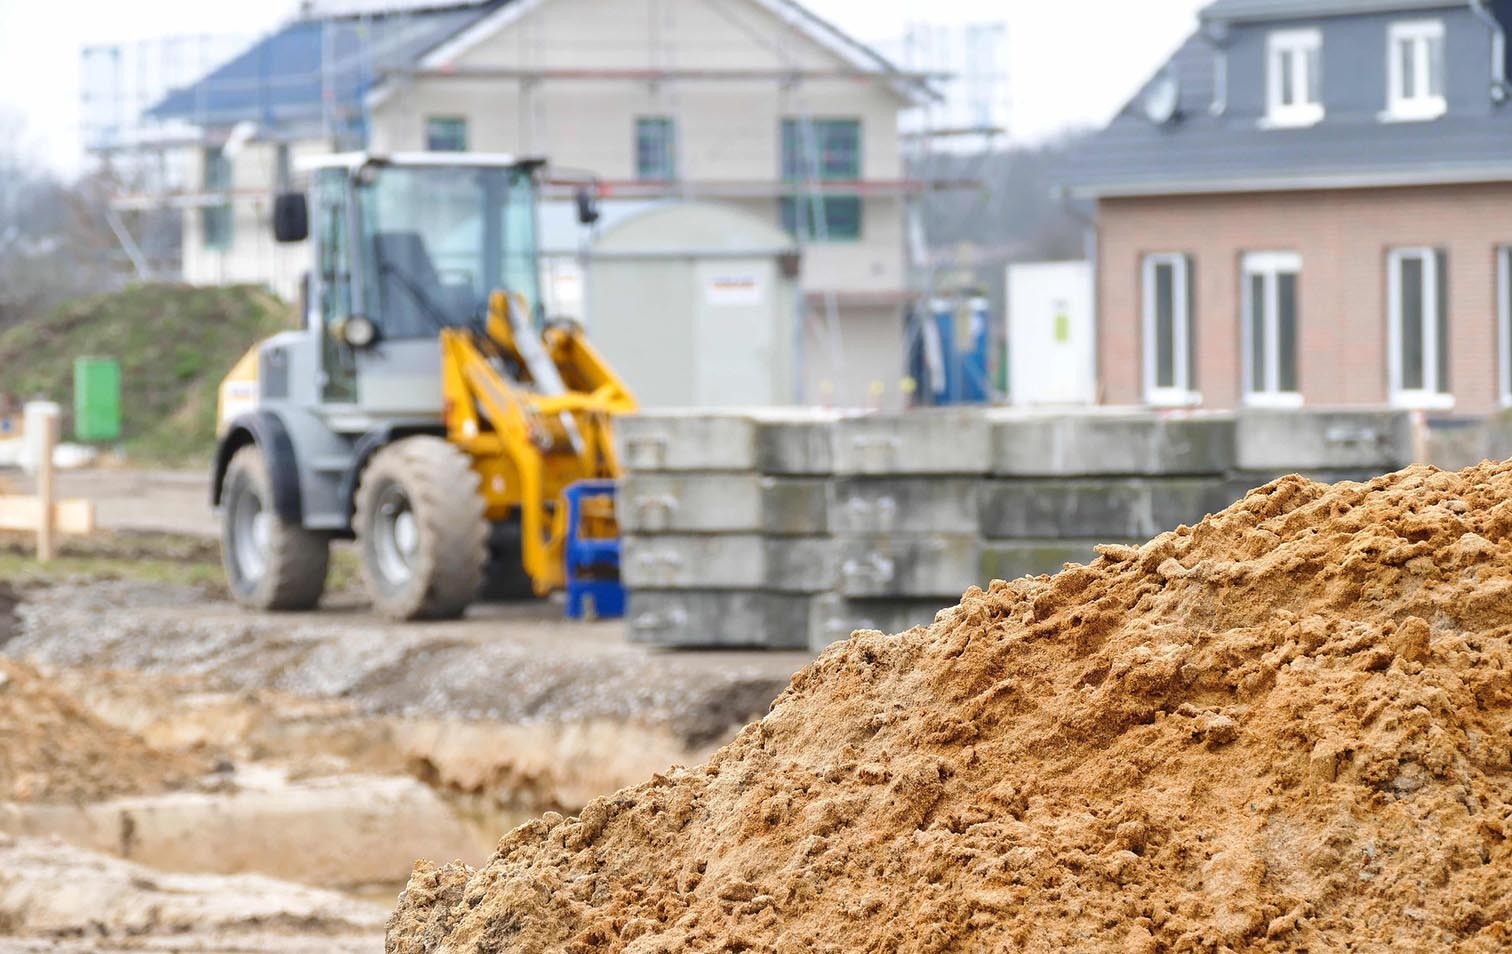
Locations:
(1415, 71)
(1295, 81)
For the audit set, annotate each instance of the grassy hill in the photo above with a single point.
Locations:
(174, 344)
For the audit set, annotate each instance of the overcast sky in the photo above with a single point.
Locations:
(1072, 62)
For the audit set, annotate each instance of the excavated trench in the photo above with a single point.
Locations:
(334, 750)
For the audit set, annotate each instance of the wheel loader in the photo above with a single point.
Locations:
(426, 409)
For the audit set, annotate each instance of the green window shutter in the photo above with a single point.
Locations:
(818, 151)
(655, 149)
(842, 217)
(445, 134)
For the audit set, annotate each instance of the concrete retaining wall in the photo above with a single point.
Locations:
(792, 529)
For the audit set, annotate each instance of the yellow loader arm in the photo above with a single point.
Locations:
(529, 447)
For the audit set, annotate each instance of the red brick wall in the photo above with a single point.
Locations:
(1343, 237)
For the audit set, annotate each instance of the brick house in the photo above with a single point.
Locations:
(1311, 205)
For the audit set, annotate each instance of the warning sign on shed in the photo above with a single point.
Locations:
(734, 289)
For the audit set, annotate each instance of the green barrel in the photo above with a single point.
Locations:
(97, 399)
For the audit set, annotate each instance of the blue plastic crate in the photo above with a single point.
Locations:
(594, 589)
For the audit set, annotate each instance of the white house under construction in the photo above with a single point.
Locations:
(756, 106)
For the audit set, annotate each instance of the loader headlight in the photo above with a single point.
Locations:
(359, 332)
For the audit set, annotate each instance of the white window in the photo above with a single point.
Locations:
(1269, 338)
(1418, 333)
(1415, 71)
(1504, 320)
(1168, 365)
(1294, 79)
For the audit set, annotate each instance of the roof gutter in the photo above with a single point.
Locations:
(1267, 10)
(1499, 89)
(1136, 188)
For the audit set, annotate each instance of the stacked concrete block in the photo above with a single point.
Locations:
(793, 530)
(1324, 445)
(903, 509)
(724, 519)
(1060, 485)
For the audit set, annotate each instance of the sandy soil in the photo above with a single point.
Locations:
(1288, 728)
(53, 750)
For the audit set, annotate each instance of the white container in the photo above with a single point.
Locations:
(1052, 344)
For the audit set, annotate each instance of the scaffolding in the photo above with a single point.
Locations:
(352, 49)
(970, 122)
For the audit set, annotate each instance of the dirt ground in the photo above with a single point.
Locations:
(168, 501)
(337, 748)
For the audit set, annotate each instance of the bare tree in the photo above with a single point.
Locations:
(55, 241)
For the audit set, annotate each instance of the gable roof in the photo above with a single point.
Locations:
(282, 81)
(1228, 150)
(1239, 10)
(853, 52)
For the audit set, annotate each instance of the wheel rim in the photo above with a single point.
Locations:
(396, 536)
(251, 536)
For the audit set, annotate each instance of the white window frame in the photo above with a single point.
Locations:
(1429, 397)
(1306, 49)
(1424, 105)
(1504, 322)
(1183, 394)
(1270, 266)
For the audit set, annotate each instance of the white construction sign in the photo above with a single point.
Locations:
(734, 290)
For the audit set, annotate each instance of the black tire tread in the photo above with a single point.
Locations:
(298, 560)
(444, 493)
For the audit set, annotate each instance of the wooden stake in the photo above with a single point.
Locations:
(47, 491)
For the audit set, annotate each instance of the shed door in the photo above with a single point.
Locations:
(1050, 334)
(736, 307)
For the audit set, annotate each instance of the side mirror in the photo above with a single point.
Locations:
(587, 205)
(291, 217)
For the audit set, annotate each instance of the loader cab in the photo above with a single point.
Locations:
(403, 247)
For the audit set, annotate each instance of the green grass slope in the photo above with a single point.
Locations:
(174, 343)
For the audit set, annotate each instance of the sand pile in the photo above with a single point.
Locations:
(54, 750)
(1288, 728)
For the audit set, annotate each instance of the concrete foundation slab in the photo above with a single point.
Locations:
(796, 447)
(908, 566)
(722, 503)
(680, 441)
(1240, 484)
(873, 505)
(1009, 560)
(1097, 509)
(729, 561)
(920, 442)
(1108, 444)
(1325, 440)
(707, 619)
(834, 617)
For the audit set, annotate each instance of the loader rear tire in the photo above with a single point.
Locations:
(271, 564)
(421, 530)
(504, 576)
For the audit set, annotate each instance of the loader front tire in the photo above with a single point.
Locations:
(271, 563)
(421, 530)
